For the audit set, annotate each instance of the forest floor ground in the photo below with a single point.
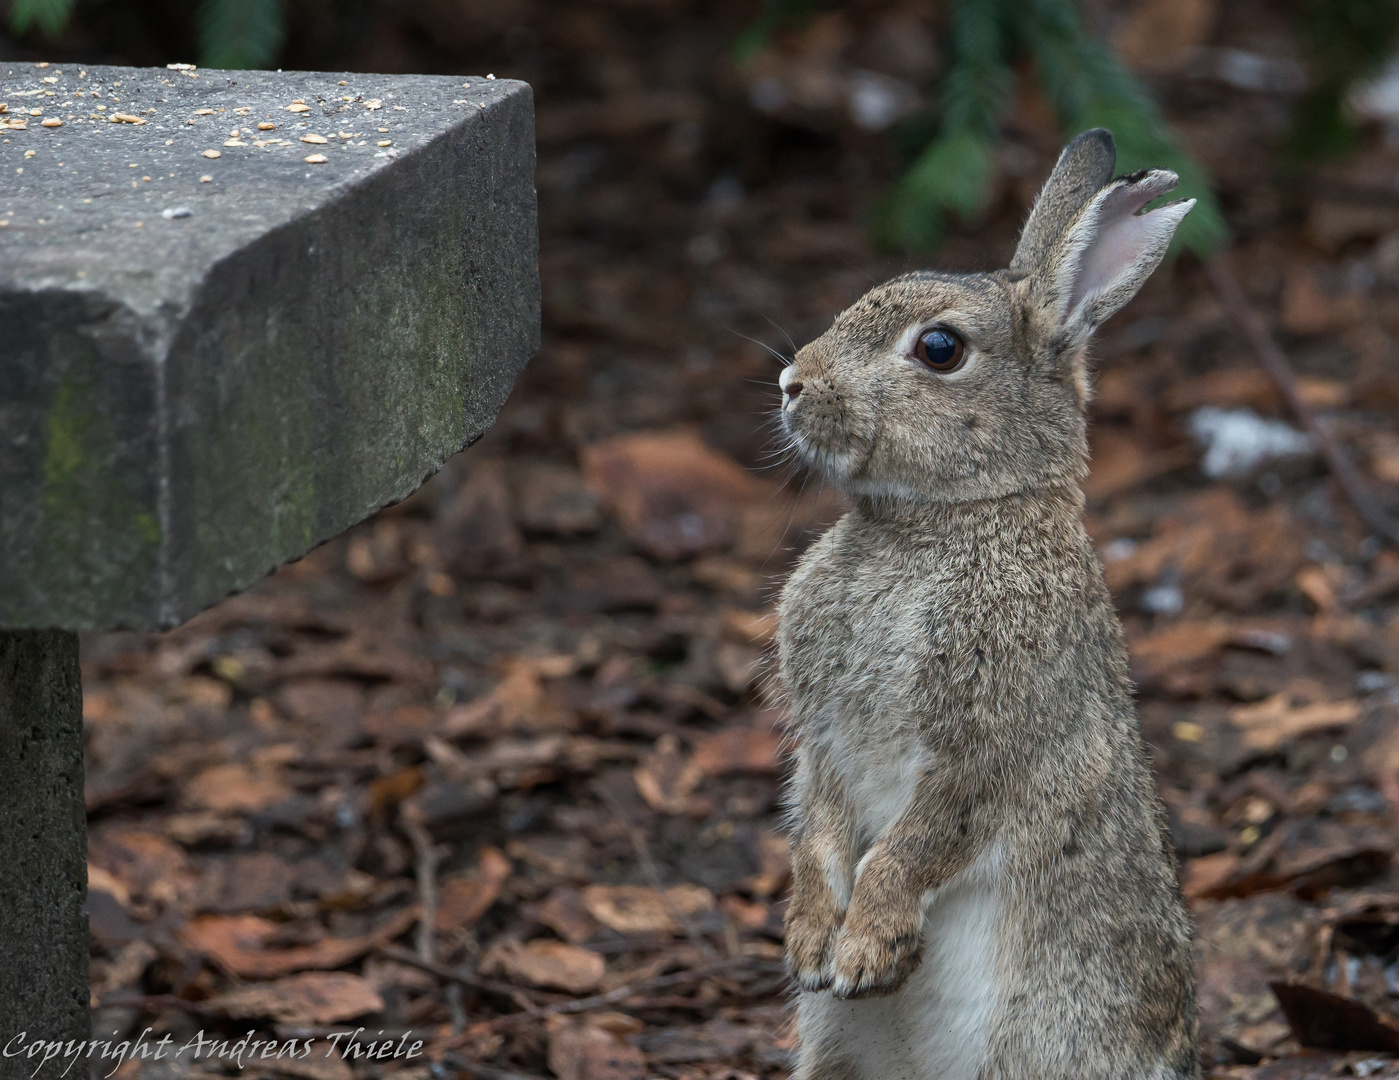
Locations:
(507, 745)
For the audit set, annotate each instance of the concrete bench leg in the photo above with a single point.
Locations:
(43, 840)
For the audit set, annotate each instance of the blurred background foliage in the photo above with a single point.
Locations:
(994, 61)
(950, 145)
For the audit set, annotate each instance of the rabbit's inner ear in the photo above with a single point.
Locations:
(1111, 249)
(1083, 168)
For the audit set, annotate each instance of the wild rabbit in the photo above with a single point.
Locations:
(983, 887)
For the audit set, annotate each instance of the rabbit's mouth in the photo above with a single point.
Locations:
(839, 463)
(816, 418)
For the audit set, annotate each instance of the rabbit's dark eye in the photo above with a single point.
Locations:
(940, 349)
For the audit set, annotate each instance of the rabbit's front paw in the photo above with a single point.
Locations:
(874, 957)
(810, 933)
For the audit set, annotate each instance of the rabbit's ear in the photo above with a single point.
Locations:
(1106, 253)
(1083, 168)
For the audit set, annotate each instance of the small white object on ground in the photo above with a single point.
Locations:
(1164, 599)
(1237, 441)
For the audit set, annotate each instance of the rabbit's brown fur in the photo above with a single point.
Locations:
(983, 888)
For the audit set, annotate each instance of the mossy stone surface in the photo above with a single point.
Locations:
(203, 379)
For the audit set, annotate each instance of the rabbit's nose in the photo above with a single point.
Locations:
(790, 381)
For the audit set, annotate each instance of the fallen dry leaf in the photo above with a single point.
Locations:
(462, 901)
(719, 1039)
(362, 655)
(514, 705)
(316, 997)
(585, 1050)
(147, 865)
(476, 533)
(405, 724)
(751, 627)
(1274, 721)
(774, 851)
(563, 912)
(1329, 1021)
(1156, 32)
(1180, 643)
(1310, 307)
(738, 749)
(551, 964)
(638, 909)
(97, 878)
(666, 778)
(672, 494)
(1120, 462)
(1384, 456)
(1203, 875)
(554, 501)
(235, 789)
(1319, 588)
(386, 792)
(237, 943)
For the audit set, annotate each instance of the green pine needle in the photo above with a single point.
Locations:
(954, 171)
(51, 16)
(1089, 87)
(953, 175)
(1081, 78)
(239, 33)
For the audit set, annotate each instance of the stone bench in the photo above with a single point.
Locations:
(241, 311)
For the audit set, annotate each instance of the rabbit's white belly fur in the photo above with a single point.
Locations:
(938, 1026)
(877, 771)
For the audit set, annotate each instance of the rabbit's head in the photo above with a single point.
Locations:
(967, 386)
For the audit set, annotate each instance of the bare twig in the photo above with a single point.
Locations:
(455, 1009)
(460, 976)
(429, 855)
(1236, 305)
(622, 993)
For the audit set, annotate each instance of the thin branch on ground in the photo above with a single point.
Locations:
(1274, 362)
(619, 995)
(428, 856)
(461, 976)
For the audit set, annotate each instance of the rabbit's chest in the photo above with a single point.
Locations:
(864, 656)
(873, 653)
(878, 771)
